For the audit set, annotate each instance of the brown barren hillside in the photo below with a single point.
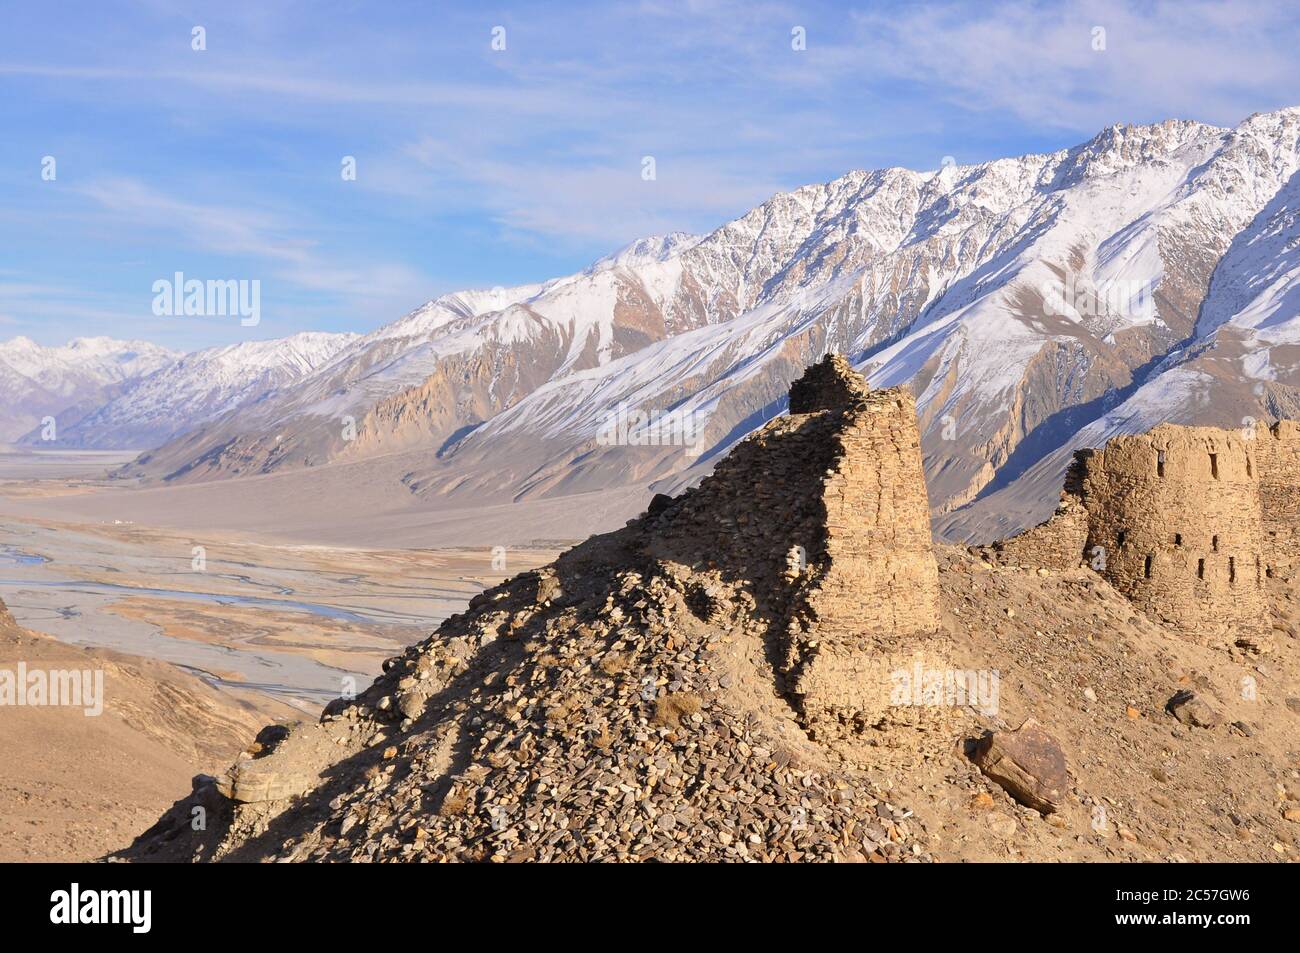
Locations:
(777, 665)
(74, 785)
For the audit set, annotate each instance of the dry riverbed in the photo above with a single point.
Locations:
(201, 637)
(300, 623)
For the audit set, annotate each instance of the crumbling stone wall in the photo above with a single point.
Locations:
(1055, 544)
(824, 516)
(830, 383)
(883, 577)
(757, 514)
(869, 613)
(1172, 518)
(1176, 515)
(1277, 451)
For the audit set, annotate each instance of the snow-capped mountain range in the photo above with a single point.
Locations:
(38, 382)
(1033, 304)
(195, 388)
(104, 394)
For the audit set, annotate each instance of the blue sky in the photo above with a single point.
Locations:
(479, 167)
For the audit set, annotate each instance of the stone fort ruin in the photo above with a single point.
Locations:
(801, 568)
(823, 514)
(1185, 521)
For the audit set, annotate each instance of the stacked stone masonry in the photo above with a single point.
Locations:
(1175, 524)
(1278, 455)
(869, 613)
(1185, 521)
(830, 383)
(822, 516)
(825, 511)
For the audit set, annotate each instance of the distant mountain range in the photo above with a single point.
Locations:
(1033, 305)
(105, 394)
(189, 390)
(38, 382)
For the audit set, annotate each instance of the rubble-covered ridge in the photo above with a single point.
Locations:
(652, 694)
(720, 680)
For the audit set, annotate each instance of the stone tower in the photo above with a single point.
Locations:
(883, 577)
(1277, 451)
(823, 513)
(829, 384)
(869, 614)
(1174, 522)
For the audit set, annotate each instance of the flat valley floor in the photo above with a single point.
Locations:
(269, 627)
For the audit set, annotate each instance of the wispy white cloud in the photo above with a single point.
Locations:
(1047, 64)
(595, 198)
(254, 235)
(223, 228)
(64, 303)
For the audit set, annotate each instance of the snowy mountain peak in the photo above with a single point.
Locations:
(188, 391)
(38, 382)
(1121, 148)
(645, 251)
(301, 353)
(82, 362)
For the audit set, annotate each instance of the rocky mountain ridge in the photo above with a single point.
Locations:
(1028, 303)
(64, 383)
(195, 388)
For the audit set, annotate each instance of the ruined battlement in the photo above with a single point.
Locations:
(1185, 521)
(830, 384)
(825, 514)
(1174, 522)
